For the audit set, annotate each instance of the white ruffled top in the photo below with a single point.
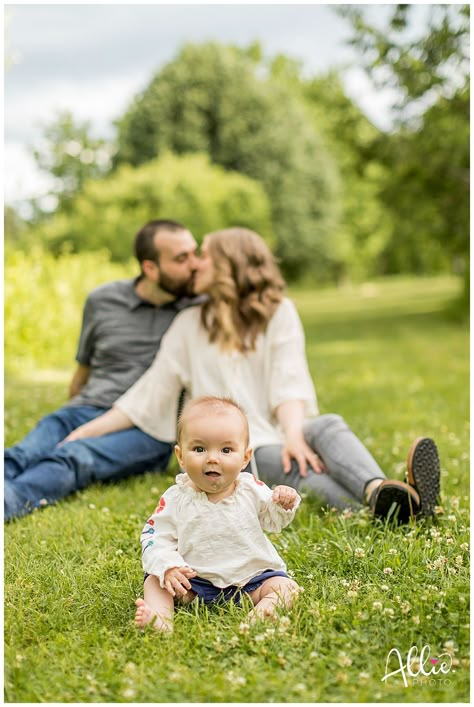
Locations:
(223, 542)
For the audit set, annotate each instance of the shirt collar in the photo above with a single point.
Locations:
(137, 301)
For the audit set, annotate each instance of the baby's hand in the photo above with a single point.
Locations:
(285, 497)
(176, 580)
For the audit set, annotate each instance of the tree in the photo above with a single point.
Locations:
(214, 99)
(428, 157)
(365, 225)
(108, 211)
(71, 155)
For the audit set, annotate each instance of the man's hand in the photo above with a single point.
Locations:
(176, 580)
(79, 379)
(284, 496)
(296, 448)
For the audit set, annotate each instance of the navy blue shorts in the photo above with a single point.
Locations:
(209, 594)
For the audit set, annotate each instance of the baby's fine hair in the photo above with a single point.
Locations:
(211, 402)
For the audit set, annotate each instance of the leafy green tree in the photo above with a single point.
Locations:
(427, 190)
(109, 211)
(365, 225)
(14, 227)
(218, 100)
(71, 155)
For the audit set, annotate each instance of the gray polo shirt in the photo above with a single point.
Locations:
(120, 336)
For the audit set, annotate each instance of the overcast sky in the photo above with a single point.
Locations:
(92, 59)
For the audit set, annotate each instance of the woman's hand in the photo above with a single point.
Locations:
(79, 433)
(176, 580)
(296, 448)
(284, 496)
(114, 420)
(290, 415)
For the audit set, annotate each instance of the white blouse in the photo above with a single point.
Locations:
(224, 541)
(276, 372)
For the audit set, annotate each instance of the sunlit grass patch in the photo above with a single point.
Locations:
(72, 571)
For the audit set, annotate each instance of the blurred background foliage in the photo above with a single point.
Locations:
(224, 136)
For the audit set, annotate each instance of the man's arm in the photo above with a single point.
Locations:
(79, 379)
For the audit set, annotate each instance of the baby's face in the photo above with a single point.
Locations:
(213, 449)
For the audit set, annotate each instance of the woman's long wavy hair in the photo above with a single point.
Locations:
(246, 290)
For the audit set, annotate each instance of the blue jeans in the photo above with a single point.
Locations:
(38, 472)
(349, 465)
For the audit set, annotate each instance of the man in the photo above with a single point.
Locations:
(123, 324)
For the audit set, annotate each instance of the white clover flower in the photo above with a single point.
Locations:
(344, 660)
(405, 607)
(416, 620)
(128, 693)
(458, 560)
(384, 587)
(388, 570)
(377, 605)
(452, 518)
(464, 546)
(345, 583)
(233, 641)
(105, 510)
(314, 654)
(300, 687)
(351, 594)
(359, 552)
(449, 541)
(259, 638)
(393, 551)
(364, 677)
(235, 679)
(91, 506)
(450, 648)
(388, 611)
(243, 627)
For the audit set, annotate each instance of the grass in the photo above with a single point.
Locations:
(385, 357)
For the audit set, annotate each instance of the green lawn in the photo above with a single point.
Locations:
(387, 358)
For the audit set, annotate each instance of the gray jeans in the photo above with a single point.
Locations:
(349, 465)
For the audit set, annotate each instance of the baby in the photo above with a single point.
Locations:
(205, 538)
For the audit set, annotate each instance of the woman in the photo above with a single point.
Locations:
(247, 343)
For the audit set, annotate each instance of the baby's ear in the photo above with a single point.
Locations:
(247, 456)
(177, 451)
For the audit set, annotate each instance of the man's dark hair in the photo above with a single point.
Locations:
(145, 248)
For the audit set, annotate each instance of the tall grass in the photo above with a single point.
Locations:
(386, 358)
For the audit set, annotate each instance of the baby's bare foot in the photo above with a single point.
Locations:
(145, 615)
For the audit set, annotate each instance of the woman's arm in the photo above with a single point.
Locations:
(113, 420)
(290, 416)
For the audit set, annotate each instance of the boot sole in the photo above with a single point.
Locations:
(424, 473)
(405, 505)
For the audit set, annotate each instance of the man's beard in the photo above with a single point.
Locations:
(167, 284)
